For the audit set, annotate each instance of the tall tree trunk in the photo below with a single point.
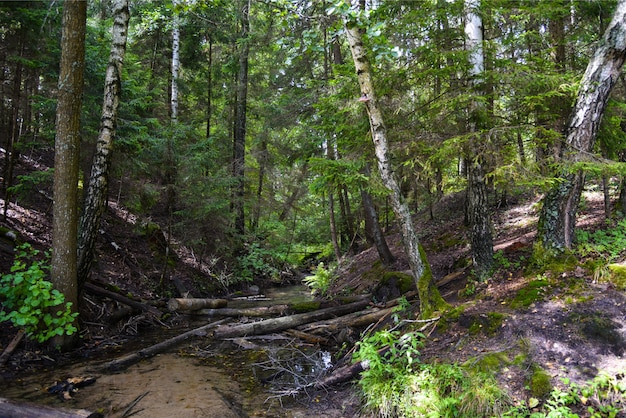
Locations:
(374, 231)
(209, 92)
(97, 190)
(478, 205)
(557, 220)
(430, 298)
(262, 159)
(66, 157)
(14, 133)
(239, 134)
(175, 62)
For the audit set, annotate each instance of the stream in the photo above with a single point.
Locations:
(202, 378)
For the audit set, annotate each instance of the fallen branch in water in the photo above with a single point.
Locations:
(123, 362)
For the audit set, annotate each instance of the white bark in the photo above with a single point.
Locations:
(430, 299)
(95, 201)
(474, 37)
(175, 60)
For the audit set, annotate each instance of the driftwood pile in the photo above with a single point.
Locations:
(320, 326)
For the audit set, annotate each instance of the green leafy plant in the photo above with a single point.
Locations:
(29, 301)
(257, 262)
(320, 281)
(602, 397)
(397, 383)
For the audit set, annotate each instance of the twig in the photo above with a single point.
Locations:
(11, 347)
(127, 413)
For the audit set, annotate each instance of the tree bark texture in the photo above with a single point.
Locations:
(478, 204)
(374, 231)
(482, 237)
(557, 220)
(194, 304)
(175, 61)
(430, 299)
(97, 191)
(67, 151)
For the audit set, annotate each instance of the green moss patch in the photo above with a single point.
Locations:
(533, 292)
(302, 307)
(539, 383)
(617, 275)
(488, 324)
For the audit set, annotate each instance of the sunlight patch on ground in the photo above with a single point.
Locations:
(33, 224)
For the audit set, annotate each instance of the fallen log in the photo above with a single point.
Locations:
(125, 361)
(194, 304)
(12, 409)
(355, 320)
(4, 357)
(269, 326)
(238, 312)
(97, 290)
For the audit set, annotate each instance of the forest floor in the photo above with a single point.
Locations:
(572, 328)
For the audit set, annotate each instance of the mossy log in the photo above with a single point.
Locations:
(194, 304)
(12, 409)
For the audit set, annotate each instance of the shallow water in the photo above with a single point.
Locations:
(203, 378)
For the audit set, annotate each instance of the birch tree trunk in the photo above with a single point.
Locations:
(175, 62)
(430, 298)
(66, 156)
(557, 220)
(480, 221)
(97, 191)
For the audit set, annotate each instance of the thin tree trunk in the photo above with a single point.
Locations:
(333, 225)
(557, 220)
(262, 158)
(239, 142)
(209, 92)
(97, 191)
(63, 264)
(372, 227)
(12, 154)
(430, 298)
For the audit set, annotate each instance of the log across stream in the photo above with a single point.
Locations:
(202, 376)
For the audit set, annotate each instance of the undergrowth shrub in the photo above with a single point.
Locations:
(602, 397)
(29, 301)
(320, 281)
(397, 383)
(258, 262)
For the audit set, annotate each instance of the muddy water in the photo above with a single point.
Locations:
(202, 379)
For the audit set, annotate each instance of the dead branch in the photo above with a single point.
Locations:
(97, 290)
(251, 312)
(194, 304)
(11, 347)
(123, 362)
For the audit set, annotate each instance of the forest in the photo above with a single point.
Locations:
(443, 180)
